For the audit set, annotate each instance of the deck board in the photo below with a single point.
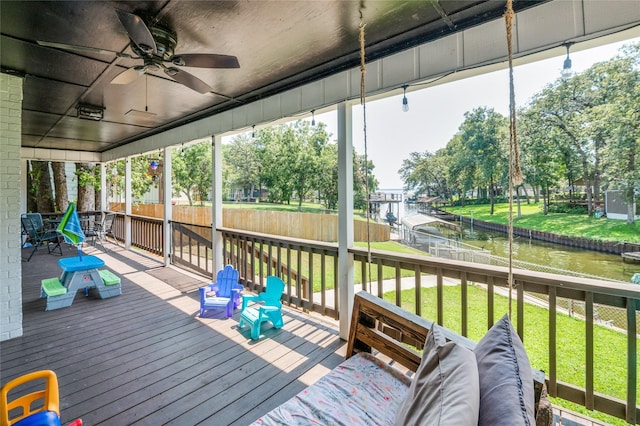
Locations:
(146, 358)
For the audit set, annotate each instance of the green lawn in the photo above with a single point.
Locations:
(558, 223)
(609, 345)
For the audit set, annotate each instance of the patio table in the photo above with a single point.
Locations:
(80, 272)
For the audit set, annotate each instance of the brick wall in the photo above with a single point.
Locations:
(10, 260)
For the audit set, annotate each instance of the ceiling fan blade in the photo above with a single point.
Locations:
(189, 80)
(206, 60)
(138, 31)
(83, 49)
(128, 76)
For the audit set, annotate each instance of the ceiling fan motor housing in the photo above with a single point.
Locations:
(166, 41)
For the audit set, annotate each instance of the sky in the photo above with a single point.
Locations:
(435, 113)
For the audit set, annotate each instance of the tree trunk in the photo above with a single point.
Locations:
(60, 185)
(631, 214)
(491, 196)
(536, 194)
(86, 191)
(44, 191)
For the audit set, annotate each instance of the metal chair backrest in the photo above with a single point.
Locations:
(36, 219)
(29, 227)
(108, 222)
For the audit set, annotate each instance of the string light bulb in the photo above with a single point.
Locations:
(253, 131)
(313, 117)
(405, 101)
(566, 67)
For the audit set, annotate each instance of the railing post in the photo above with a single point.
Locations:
(168, 207)
(127, 204)
(632, 360)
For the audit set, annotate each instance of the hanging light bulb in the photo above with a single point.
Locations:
(566, 67)
(253, 131)
(405, 102)
(182, 151)
(313, 117)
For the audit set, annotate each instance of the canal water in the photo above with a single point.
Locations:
(538, 252)
(553, 255)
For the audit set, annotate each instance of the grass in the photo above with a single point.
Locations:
(558, 223)
(610, 347)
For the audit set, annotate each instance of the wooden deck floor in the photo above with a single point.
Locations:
(145, 357)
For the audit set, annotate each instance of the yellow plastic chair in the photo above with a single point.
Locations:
(41, 407)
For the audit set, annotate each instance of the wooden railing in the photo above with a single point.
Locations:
(293, 259)
(146, 232)
(191, 247)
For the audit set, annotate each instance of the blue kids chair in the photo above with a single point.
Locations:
(269, 310)
(223, 294)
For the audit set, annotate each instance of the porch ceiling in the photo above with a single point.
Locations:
(279, 45)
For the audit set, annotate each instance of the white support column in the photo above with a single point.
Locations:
(104, 191)
(216, 203)
(168, 206)
(24, 169)
(127, 203)
(345, 218)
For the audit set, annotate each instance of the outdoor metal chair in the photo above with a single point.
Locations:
(102, 230)
(38, 235)
(269, 310)
(223, 294)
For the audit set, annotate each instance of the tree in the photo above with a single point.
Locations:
(427, 173)
(192, 171)
(484, 132)
(541, 162)
(327, 183)
(242, 164)
(41, 186)
(60, 185)
(290, 159)
(360, 171)
(141, 178)
(88, 179)
(621, 118)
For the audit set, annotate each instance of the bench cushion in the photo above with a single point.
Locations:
(506, 381)
(53, 287)
(445, 389)
(108, 277)
(363, 390)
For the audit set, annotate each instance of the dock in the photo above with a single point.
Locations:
(631, 256)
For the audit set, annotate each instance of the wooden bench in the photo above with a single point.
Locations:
(381, 326)
(371, 384)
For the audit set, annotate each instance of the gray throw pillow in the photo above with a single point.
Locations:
(444, 390)
(506, 382)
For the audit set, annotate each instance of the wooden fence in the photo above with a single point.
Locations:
(308, 226)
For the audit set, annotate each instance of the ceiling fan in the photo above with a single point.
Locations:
(155, 45)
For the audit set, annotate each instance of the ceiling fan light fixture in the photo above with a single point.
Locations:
(143, 115)
(90, 112)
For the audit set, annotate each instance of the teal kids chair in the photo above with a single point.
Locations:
(270, 308)
(223, 294)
